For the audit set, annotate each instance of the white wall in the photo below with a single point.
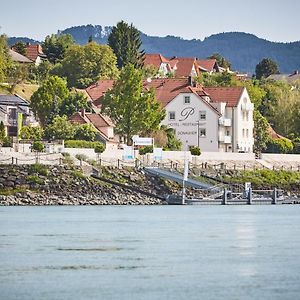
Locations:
(243, 126)
(185, 123)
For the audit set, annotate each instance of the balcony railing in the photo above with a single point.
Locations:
(226, 139)
(225, 122)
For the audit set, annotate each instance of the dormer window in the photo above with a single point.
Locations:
(187, 99)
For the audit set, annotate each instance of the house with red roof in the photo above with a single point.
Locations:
(236, 124)
(181, 67)
(35, 53)
(103, 125)
(215, 119)
(160, 63)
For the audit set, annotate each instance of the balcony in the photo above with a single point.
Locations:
(226, 139)
(247, 106)
(225, 122)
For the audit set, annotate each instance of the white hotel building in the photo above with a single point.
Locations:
(215, 119)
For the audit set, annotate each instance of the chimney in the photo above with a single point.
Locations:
(82, 112)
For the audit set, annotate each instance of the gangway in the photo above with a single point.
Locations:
(175, 176)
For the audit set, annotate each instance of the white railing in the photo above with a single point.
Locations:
(225, 122)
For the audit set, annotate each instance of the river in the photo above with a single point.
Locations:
(157, 252)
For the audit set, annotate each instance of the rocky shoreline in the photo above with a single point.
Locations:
(66, 185)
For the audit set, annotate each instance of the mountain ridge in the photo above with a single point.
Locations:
(243, 50)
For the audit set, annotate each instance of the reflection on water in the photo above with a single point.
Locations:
(150, 252)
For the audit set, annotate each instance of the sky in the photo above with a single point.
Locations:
(274, 20)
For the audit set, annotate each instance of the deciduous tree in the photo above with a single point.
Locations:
(132, 109)
(55, 46)
(84, 65)
(265, 68)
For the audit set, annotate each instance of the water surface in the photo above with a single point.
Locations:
(161, 252)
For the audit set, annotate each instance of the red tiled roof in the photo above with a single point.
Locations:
(167, 89)
(273, 134)
(207, 64)
(230, 95)
(97, 120)
(33, 51)
(97, 90)
(184, 66)
(155, 60)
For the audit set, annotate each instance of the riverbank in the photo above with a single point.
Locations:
(67, 185)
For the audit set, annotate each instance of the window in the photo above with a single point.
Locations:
(12, 113)
(202, 115)
(202, 132)
(227, 133)
(171, 115)
(243, 132)
(247, 133)
(187, 99)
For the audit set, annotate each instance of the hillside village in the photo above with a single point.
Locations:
(111, 93)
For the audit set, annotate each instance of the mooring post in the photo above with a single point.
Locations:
(224, 202)
(274, 196)
(250, 196)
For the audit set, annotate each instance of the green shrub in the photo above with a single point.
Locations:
(296, 144)
(99, 148)
(81, 144)
(145, 150)
(78, 174)
(38, 169)
(195, 150)
(281, 145)
(81, 157)
(34, 179)
(7, 142)
(38, 146)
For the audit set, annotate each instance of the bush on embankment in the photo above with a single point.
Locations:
(267, 179)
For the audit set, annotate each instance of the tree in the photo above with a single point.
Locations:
(2, 132)
(281, 145)
(86, 132)
(73, 104)
(38, 146)
(16, 74)
(261, 134)
(265, 68)
(47, 100)
(221, 61)
(32, 133)
(132, 109)
(20, 47)
(126, 43)
(5, 59)
(224, 79)
(84, 65)
(53, 98)
(60, 129)
(56, 45)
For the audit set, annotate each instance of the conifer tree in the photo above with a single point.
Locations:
(126, 44)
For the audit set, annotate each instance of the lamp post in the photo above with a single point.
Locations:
(198, 129)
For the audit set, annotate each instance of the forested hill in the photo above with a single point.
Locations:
(242, 49)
